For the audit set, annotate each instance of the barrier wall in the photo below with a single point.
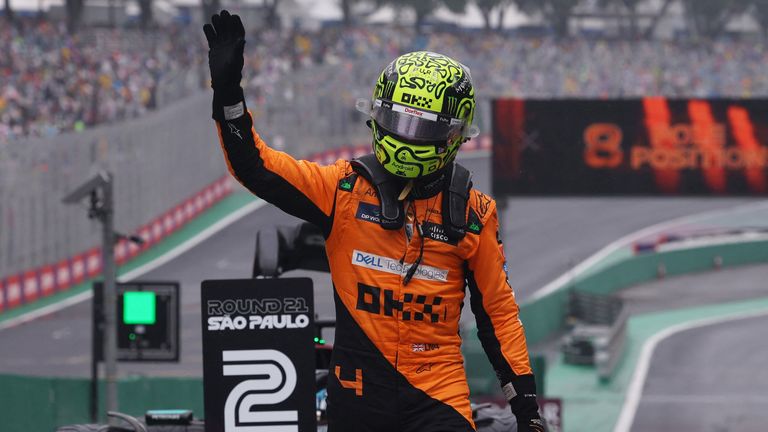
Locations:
(157, 162)
(545, 317)
(41, 404)
(36, 283)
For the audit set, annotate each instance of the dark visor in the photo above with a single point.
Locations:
(415, 124)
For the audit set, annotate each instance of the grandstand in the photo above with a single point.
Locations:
(55, 82)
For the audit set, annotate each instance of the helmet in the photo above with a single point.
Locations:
(422, 110)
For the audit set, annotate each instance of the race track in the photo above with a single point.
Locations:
(710, 378)
(544, 237)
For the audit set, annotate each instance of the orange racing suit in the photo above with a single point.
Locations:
(397, 363)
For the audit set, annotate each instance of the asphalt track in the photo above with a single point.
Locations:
(711, 378)
(544, 237)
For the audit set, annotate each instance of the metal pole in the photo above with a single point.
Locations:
(110, 297)
(102, 209)
(96, 308)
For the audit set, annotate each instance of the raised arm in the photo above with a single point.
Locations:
(303, 189)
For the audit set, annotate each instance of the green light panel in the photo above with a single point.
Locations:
(139, 307)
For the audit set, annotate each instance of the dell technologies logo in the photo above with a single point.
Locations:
(391, 265)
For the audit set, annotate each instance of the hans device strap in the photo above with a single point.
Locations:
(392, 214)
(454, 202)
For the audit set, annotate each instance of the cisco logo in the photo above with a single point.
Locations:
(273, 381)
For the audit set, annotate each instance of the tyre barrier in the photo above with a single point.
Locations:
(597, 332)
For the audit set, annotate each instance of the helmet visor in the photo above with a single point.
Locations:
(414, 124)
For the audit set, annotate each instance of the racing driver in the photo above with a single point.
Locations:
(405, 235)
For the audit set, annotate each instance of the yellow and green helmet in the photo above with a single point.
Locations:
(422, 111)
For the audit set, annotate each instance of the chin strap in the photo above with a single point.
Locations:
(406, 190)
(390, 189)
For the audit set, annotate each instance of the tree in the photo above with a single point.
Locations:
(624, 6)
(631, 5)
(353, 10)
(501, 12)
(210, 8)
(655, 21)
(271, 15)
(761, 11)
(487, 9)
(74, 11)
(145, 13)
(557, 13)
(455, 6)
(422, 9)
(8, 12)
(708, 18)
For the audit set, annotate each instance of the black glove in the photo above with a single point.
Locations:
(530, 425)
(521, 394)
(226, 40)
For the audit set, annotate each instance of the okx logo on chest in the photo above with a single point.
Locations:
(412, 308)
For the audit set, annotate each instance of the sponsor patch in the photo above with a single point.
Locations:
(393, 266)
(368, 212)
(419, 101)
(414, 112)
(473, 223)
(375, 300)
(347, 184)
(509, 391)
(232, 112)
(437, 232)
(424, 347)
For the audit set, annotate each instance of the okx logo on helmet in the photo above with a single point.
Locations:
(422, 110)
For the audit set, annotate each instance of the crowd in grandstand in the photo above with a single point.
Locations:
(573, 67)
(51, 82)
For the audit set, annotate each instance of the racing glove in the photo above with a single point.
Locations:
(226, 40)
(521, 394)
